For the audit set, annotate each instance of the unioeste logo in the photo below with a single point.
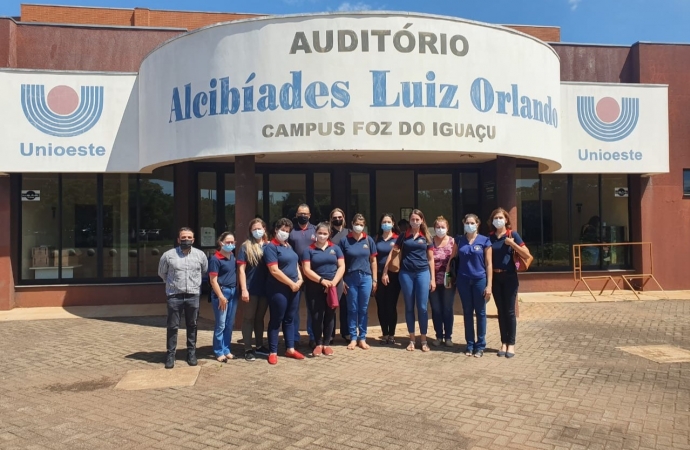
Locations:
(63, 113)
(607, 120)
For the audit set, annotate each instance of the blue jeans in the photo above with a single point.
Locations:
(442, 311)
(296, 322)
(415, 289)
(473, 302)
(358, 293)
(225, 320)
(283, 306)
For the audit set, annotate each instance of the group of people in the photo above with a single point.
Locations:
(334, 267)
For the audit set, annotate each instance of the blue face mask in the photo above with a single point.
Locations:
(386, 226)
(228, 247)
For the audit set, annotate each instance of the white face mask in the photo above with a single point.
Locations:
(441, 232)
(358, 228)
(322, 237)
(282, 235)
(470, 228)
(415, 225)
(499, 223)
(258, 233)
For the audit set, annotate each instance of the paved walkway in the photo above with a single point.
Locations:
(568, 387)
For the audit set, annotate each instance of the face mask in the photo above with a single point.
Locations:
(302, 220)
(358, 228)
(185, 244)
(499, 223)
(386, 226)
(258, 233)
(337, 222)
(415, 225)
(282, 235)
(470, 228)
(441, 232)
(228, 247)
(322, 237)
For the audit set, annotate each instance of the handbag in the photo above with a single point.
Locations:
(394, 264)
(521, 263)
(332, 297)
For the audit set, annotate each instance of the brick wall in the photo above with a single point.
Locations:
(143, 17)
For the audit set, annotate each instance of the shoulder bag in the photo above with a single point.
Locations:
(394, 264)
(521, 263)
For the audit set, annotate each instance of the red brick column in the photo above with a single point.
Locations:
(6, 273)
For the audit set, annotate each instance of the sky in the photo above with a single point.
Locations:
(581, 21)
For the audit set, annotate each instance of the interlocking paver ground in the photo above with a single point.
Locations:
(569, 387)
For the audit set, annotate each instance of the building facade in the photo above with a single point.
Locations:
(119, 129)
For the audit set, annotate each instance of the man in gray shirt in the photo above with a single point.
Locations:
(181, 268)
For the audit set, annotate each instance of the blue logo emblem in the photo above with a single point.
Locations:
(607, 120)
(62, 113)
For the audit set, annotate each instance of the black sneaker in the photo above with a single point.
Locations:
(170, 361)
(249, 355)
(191, 359)
(262, 351)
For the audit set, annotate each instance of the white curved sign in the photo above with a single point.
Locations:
(365, 82)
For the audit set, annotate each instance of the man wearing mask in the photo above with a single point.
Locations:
(301, 237)
(182, 268)
(338, 232)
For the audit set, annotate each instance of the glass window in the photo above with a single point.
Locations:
(435, 197)
(79, 252)
(40, 224)
(206, 235)
(686, 182)
(614, 219)
(322, 198)
(285, 193)
(358, 199)
(394, 194)
(119, 225)
(586, 221)
(554, 250)
(157, 232)
(469, 195)
(528, 211)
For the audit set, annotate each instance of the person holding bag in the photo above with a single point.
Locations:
(323, 265)
(442, 298)
(507, 247)
(387, 294)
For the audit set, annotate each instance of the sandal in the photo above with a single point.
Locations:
(410, 346)
(352, 345)
(425, 347)
(230, 356)
(391, 340)
(363, 345)
(222, 359)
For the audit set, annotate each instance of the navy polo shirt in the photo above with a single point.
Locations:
(256, 275)
(414, 256)
(300, 239)
(323, 262)
(502, 253)
(471, 261)
(358, 253)
(224, 269)
(383, 248)
(285, 258)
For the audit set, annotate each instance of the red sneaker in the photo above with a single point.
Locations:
(317, 350)
(294, 355)
(273, 359)
(328, 351)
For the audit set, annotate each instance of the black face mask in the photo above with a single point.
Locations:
(337, 222)
(302, 220)
(185, 244)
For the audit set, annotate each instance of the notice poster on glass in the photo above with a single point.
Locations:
(208, 237)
